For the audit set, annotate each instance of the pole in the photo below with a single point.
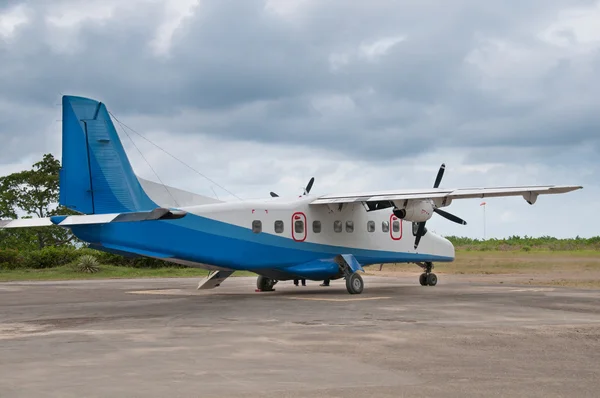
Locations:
(483, 222)
(483, 204)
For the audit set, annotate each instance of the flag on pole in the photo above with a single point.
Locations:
(482, 204)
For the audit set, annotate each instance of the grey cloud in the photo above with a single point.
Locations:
(235, 72)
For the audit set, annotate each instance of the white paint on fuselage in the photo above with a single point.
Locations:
(273, 209)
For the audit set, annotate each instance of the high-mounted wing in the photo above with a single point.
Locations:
(528, 192)
(69, 221)
(419, 205)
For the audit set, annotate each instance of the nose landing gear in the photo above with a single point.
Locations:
(427, 278)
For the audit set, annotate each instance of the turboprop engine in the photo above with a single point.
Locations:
(420, 211)
(415, 211)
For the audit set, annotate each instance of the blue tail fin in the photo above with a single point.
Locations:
(96, 176)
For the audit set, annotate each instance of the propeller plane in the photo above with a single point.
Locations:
(315, 237)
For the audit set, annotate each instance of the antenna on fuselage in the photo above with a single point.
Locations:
(124, 127)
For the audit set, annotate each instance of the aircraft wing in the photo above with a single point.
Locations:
(69, 221)
(443, 195)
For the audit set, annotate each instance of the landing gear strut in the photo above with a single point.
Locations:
(265, 284)
(427, 278)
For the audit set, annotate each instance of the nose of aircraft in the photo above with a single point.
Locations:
(443, 247)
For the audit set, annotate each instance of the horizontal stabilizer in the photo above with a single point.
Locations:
(69, 221)
(25, 222)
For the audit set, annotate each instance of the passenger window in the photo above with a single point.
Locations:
(350, 226)
(385, 226)
(299, 226)
(317, 227)
(256, 226)
(396, 226)
(278, 226)
(337, 226)
(371, 226)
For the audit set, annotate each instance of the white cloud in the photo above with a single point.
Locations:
(263, 96)
(12, 19)
(338, 60)
(66, 16)
(575, 29)
(176, 11)
(380, 47)
(287, 8)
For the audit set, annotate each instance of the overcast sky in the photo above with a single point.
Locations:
(262, 95)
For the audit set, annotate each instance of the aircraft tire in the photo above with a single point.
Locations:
(265, 284)
(354, 283)
(423, 279)
(431, 280)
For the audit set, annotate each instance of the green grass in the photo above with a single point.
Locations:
(526, 243)
(509, 262)
(489, 262)
(532, 253)
(67, 272)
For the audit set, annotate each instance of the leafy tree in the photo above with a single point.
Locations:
(33, 193)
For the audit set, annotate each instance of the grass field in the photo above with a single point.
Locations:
(579, 268)
(511, 262)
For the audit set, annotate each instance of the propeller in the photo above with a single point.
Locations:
(309, 186)
(450, 217)
(306, 190)
(421, 225)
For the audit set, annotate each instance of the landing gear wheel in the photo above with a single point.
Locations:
(265, 284)
(431, 280)
(427, 278)
(354, 283)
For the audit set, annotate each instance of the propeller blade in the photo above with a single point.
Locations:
(309, 186)
(440, 174)
(450, 217)
(274, 195)
(420, 232)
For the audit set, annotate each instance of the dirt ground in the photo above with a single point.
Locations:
(164, 338)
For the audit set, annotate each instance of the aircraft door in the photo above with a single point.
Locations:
(395, 227)
(299, 228)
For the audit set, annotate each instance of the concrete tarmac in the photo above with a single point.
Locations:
(164, 338)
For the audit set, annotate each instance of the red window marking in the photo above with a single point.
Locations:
(299, 216)
(392, 219)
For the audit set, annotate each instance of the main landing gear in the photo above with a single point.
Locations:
(354, 283)
(427, 278)
(265, 284)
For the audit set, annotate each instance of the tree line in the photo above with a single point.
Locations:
(35, 193)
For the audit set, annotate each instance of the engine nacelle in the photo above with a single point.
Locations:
(415, 211)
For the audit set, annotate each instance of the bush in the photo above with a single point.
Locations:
(10, 259)
(50, 257)
(87, 263)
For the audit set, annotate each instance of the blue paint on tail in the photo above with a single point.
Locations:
(96, 176)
